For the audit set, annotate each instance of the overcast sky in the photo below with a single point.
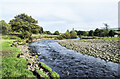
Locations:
(64, 14)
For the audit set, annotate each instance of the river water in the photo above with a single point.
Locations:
(69, 63)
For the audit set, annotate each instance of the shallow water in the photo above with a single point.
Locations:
(70, 63)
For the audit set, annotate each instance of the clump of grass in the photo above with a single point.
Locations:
(54, 75)
(45, 67)
(42, 74)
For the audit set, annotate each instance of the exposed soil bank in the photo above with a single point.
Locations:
(105, 49)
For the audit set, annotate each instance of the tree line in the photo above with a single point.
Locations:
(26, 26)
(97, 32)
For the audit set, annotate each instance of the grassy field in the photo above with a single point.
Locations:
(11, 65)
(44, 35)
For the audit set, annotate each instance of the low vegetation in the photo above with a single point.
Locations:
(11, 65)
(44, 36)
(43, 75)
(54, 75)
(45, 67)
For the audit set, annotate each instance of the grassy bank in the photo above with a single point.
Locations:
(44, 36)
(17, 60)
(11, 65)
(105, 48)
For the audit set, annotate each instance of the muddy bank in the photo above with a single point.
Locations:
(104, 49)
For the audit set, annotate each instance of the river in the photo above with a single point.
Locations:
(69, 63)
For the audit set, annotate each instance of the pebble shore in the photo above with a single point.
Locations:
(104, 49)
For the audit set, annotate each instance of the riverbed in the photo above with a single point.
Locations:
(69, 63)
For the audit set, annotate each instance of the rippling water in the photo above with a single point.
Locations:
(70, 63)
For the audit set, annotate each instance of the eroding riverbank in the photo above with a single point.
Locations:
(105, 49)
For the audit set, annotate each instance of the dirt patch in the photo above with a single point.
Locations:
(7, 53)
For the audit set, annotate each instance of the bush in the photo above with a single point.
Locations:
(91, 33)
(73, 34)
(56, 33)
(111, 33)
(47, 32)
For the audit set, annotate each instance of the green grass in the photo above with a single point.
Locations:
(44, 35)
(11, 65)
(108, 38)
(43, 74)
(45, 66)
(7, 50)
(10, 37)
(54, 75)
(15, 67)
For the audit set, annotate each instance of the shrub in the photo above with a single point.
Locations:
(73, 34)
(56, 33)
(111, 33)
(91, 33)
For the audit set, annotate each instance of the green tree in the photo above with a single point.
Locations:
(106, 29)
(41, 30)
(84, 33)
(47, 32)
(111, 33)
(96, 32)
(4, 27)
(23, 24)
(67, 35)
(91, 33)
(73, 34)
(36, 29)
(56, 33)
(102, 32)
